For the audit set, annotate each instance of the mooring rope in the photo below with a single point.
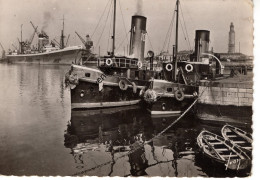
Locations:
(146, 142)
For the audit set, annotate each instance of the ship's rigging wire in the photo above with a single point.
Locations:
(170, 29)
(150, 41)
(168, 32)
(185, 26)
(123, 21)
(146, 142)
(104, 24)
(123, 40)
(185, 36)
(100, 19)
(169, 39)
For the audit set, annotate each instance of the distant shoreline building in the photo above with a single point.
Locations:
(235, 58)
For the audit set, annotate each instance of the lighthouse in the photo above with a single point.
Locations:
(231, 39)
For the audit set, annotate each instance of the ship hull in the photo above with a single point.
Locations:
(90, 94)
(86, 95)
(168, 106)
(63, 57)
(165, 102)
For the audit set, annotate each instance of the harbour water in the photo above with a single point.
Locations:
(40, 135)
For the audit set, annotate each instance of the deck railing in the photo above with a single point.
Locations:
(118, 62)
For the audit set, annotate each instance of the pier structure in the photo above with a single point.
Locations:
(228, 100)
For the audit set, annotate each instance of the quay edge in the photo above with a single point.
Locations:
(228, 100)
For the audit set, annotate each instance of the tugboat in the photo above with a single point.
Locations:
(117, 80)
(178, 88)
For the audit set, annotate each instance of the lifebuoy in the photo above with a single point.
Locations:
(169, 67)
(123, 84)
(189, 68)
(139, 64)
(109, 62)
(179, 95)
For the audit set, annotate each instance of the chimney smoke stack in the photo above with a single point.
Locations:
(137, 39)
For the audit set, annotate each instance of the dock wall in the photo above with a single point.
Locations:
(216, 93)
(228, 102)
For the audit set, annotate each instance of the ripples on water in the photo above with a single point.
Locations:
(40, 135)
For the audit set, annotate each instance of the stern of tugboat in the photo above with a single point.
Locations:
(168, 98)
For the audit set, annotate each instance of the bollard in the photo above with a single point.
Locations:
(245, 70)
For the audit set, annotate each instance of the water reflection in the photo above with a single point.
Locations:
(108, 131)
(119, 140)
(34, 112)
(34, 109)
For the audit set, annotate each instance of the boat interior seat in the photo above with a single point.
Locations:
(247, 147)
(231, 135)
(215, 143)
(228, 155)
(222, 149)
(239, 142)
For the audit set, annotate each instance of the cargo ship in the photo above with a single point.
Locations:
(46, 51)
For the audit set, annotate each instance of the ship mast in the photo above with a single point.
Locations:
(62, 35)
(21, 42)
(176, 41)
(114, 29)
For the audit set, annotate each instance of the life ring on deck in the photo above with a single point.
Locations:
(179, 95)
(109, 62)
(189, 68)
(140, 64)
(169, 67)
(123, 84)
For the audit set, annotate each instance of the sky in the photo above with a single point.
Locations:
(83, 16)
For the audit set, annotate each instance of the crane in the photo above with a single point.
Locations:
(3, 50)
(88, 43)
(2, 46)
(82, 40)
(31, 39)
(35, 28)
(56, 42)
(15, 47)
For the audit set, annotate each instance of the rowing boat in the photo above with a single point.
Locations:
(222, 151)
(238, 136)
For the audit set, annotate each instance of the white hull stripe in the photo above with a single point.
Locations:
(107, 83)
(46, 53)
(103, 104)
(164, 112)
